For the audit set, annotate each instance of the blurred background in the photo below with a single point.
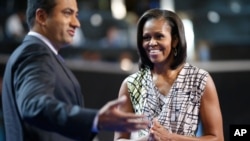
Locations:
(104, 49)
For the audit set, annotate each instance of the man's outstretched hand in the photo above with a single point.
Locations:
(110, 118)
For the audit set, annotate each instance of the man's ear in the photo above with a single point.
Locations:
(41, 16)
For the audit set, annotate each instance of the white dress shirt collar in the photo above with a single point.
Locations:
(44, 39)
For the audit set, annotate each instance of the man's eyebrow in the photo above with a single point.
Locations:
(70, 9)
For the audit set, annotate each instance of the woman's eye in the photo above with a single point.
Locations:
(146, 38)
(159, 36)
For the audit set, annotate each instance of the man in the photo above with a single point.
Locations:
(42, 100)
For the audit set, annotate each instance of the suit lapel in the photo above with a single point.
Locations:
(71, 76)
(61, 63)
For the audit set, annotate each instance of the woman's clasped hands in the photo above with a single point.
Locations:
(158, 132)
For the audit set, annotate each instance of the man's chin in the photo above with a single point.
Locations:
(68, 43)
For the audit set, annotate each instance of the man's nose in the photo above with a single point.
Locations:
(75, 22)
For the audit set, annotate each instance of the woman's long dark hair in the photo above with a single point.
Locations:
(177, 30)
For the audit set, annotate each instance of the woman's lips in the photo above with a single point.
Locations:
(154, 52)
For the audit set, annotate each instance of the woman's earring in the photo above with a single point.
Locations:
(175, 51)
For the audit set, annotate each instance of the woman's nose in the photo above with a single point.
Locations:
(152, 42)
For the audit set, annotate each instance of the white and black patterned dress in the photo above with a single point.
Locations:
(178, 111)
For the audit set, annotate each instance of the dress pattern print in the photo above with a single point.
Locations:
(178, 111)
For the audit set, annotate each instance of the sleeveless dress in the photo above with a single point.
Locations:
(178, 111)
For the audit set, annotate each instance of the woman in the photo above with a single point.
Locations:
(172, 93)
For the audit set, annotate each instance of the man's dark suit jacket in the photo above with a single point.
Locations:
(42, 99)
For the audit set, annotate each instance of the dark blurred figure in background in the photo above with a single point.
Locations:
(115, 38)
(16, 27)
(13, 26)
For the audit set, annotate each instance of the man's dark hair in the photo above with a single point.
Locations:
(33, 5)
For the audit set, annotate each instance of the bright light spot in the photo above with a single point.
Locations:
(96, 20)
(167, 4)
(126, 64)
(118, 9)
(213, 17)
(189, 34)
(235, 7)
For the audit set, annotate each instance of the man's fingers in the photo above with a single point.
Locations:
(122, 121)
(117, 102)
(138, 123)
(135, 126)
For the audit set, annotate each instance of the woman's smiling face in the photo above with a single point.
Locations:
(157, 40)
